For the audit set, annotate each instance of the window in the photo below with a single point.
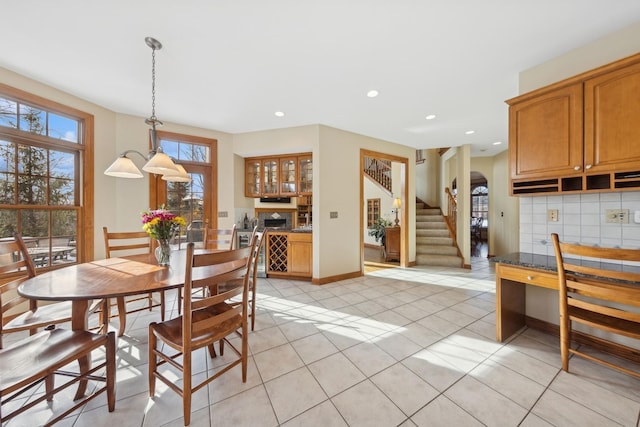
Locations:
(373, 211)
(196, 200)
(480, 202)
(44, 147)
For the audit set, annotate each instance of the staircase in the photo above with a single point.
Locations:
(434, 244)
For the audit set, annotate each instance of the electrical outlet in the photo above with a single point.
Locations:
(552, 215)
(223, 214)
(617, 216)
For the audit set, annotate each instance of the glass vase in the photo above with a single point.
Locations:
(163, 252)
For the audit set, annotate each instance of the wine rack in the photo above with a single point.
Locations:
(277, 252)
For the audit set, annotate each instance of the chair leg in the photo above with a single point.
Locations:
(84, 363)
(49, 385)
(212, 351)
(153, 340)
(162, 307)
(186, 388)
(122, 316)
(245, 350)
(111, 371)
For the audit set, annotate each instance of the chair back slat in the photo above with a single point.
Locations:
(136, 241)
(216, 238)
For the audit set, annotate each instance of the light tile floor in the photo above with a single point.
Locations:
(409, 347)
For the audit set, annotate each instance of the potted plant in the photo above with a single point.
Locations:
(377, 230)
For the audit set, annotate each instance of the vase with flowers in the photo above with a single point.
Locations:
(161, 225)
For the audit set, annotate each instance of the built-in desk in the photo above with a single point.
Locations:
(516, 271)
(513, 273)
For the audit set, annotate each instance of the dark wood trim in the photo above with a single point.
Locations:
(85, 241)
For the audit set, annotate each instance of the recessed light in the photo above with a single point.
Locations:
(430, 117)
(372, 93)
(497, 143)
(470, 132)
(279, 114)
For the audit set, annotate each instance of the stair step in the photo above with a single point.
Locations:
(426, 225)
(436, 250)
(429, 211)
(434, 240)
(429, 218)
(439, 260)
(432, 232)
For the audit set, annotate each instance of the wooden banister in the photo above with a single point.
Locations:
(452, 210)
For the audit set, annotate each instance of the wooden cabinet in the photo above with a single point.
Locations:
(545, 134)
(288, 176)
(612, 120)
(579, 134)
(261, 177)
(305, 167)
(300, 254)
(392, 244)
(289, 254)
(276, 176)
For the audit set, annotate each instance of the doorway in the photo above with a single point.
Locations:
(401, 175)
(479, 215)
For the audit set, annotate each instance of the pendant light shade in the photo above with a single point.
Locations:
(180, 176)
(160, 164)
(123, 167)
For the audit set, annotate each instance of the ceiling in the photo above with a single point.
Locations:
(230, 65)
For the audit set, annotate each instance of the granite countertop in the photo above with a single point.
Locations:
(528, 260)
(548, 263)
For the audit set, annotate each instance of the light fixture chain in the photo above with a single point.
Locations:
(153, 84)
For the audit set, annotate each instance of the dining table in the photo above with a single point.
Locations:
(110, 278)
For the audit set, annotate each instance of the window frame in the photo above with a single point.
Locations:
(84, 173)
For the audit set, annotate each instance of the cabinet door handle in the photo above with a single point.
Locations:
(587, 167)
(576, 168)
(529, 277)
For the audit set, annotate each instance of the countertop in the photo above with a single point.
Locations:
(548, 263)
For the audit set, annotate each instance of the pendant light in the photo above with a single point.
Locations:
(157, 162)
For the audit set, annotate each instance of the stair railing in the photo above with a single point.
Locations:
(452, 210)
(379, 171)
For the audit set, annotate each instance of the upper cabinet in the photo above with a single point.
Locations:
(612, 120)
(261, 177)
(545, 134)
(578, 135)
(305, 167)
(277, 176)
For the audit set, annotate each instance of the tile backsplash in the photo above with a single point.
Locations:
(581, 218)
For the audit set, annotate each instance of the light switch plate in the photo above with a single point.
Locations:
(552, 215)
(333, 214)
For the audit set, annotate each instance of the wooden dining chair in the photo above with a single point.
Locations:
(19, 313)
(597, 296)
(130, 243)
(253, 274)
(218, 238)
(203, 322)
(39, 358)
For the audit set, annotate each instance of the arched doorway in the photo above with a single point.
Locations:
(479, 215)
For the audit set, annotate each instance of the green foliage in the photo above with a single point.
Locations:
(377, 229)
